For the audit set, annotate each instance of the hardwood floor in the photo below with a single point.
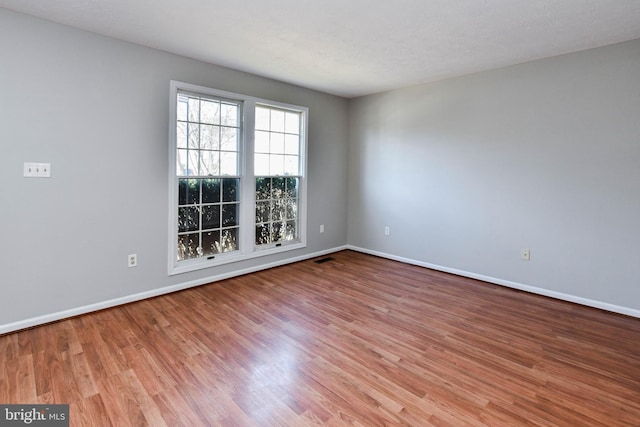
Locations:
(354, 341)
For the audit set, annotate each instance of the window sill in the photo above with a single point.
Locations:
(229, 258)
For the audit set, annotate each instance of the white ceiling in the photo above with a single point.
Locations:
(353, 47)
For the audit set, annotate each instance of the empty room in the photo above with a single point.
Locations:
(297, 213)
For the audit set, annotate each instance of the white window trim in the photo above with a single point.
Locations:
(248, 249)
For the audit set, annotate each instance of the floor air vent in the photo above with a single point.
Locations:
(323, 260)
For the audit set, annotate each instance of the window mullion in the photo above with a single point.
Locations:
(248, 184)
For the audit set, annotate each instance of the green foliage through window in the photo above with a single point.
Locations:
(276, 209)
(208, 216)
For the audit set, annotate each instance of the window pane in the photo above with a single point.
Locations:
(277, 143)
(194, 135)
(263, 188)
(277, 121)
(211, 243)
(229, 113)
(209, 162)
(263, 234)
(211, 190)
(181, 135)
(188, 191)
(283, 148)
(193, 163)
(229, 139)
(228, 163)
(292, 230)
(278, 187)
(230, 190)
(278, 211)
(189, 246)
(263, 211)
(210, 112)
(188, 219)
(229, 240)
(182, 166)
(230, 215)
(261, 144)
(210, 137)
(291, 165)
(292, 122)
(262, 118)
(291, 208)
(261, 164)
(276, 164)
(210, 217)
(291, 187)
(194, 109)
(276, 231)
(292, 144)
(181, 112)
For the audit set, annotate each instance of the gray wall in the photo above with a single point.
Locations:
(98, 110)
(543, 155)
(465, 172)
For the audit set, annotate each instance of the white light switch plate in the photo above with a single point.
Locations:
(37, 170)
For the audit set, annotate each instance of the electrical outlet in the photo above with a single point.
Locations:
(132, 260)
(525, 254)
(387, 231)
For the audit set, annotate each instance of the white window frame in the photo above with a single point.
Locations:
(246, 236)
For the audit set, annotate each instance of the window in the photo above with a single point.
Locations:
(237, 182)
(207, 148)
(276, 209)
(277, 170)
(207, 216)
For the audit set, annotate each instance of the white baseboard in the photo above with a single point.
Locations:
(53, 317)
(527, 288)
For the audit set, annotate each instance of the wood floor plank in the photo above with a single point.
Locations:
(90, 411)
(43, 377)
(178, 408)
(25, 379)
(356, 341)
